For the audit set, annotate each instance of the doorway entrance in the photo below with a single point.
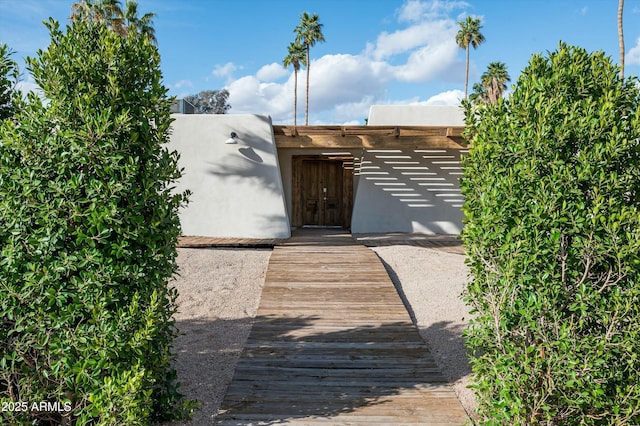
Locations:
(322, 193)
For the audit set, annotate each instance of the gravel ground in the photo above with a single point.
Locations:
(220, 292)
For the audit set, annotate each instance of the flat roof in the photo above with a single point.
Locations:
(416, 115)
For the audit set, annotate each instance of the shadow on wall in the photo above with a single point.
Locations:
(287, 373)
(402, 190)
(246, 160)
(251, 154)
(233, 185)
(245, 164)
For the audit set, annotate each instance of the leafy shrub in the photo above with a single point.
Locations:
(552, 190)
(8, 78)
(88, 230)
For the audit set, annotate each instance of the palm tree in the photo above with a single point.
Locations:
(108, 11)
(495, 81)
(621, 37)
(296, 57)
(141, 25)
(308, 33)
(119, 21)
(478, 94)
(492, 84)
(469, 35)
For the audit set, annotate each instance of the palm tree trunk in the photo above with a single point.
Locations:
(306, 109)
(295, 100)
(466, 74)
(621, 38)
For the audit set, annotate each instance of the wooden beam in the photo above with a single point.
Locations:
(367, 141)
(357, 137)
(454, 131)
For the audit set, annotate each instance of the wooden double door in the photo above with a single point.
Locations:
(323, 191)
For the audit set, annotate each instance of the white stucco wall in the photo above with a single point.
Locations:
(406, 190)
(415, 115)
(236, 189)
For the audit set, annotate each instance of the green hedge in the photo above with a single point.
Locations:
(88, 232)
(552, 205)
(9, 75)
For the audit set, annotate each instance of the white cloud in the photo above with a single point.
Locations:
(401, 41)
(353, 113)
(428, 62)
(346, 78)
(429, 47)
(412, 11)
(224, 71)
(344, 86)
(183, 83)
(450, 97)
(271, 72)
(249, 95)
(633, 55)
(353, 123)
(415, 10)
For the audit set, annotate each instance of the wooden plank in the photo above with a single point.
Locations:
(202, 242)
(371, 141)
(313, 362)
(249, 390)
(332, 343)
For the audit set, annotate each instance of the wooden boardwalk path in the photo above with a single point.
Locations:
(333, 344)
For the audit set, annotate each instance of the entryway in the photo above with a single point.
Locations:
(332, 343)
(322, 192)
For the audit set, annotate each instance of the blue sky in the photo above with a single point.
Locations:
(376, 52)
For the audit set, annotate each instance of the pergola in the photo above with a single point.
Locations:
(369, 137)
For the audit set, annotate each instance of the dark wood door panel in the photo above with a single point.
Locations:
(332, 189)
(311, 172)
(321, 188)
